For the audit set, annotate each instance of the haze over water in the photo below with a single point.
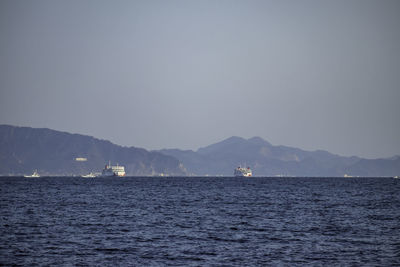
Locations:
(185, 74)
(199, 221)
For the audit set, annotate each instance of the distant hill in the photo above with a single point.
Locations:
(24, 149)
(268, 160)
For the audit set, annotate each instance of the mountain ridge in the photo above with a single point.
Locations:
(51, 152)
(269, 160)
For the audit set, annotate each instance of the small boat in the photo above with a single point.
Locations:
(90, 175)
(35, 174)
(396, 177)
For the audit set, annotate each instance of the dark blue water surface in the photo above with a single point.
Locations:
(199, 221)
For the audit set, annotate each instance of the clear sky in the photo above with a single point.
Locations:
(185, 74)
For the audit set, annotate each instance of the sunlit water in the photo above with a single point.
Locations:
(199, 221)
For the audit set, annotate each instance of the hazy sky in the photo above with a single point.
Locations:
(164, 74)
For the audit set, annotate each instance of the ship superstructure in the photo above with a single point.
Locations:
(243, 172)
(113, 171)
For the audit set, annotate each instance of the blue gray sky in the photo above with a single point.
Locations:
(185, 74)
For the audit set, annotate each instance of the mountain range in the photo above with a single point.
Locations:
(269, 160)
(24, 149)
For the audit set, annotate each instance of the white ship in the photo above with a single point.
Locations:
(242, 172)
(35, 174)
(90, 175)
(109, 171)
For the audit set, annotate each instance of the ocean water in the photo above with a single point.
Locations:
(187, 221)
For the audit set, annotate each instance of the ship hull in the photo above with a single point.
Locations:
(243, 175)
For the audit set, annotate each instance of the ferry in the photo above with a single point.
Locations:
(109, 171)
(35, 174)
(242, 172)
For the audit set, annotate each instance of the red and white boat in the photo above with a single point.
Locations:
(242, 172)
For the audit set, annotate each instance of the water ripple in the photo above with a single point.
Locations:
(199, 221)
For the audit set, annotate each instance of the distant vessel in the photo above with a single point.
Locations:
(242, 172)
(35, 174)
(109, 171)
(90, 175)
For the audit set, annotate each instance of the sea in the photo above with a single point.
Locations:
(199, 221)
